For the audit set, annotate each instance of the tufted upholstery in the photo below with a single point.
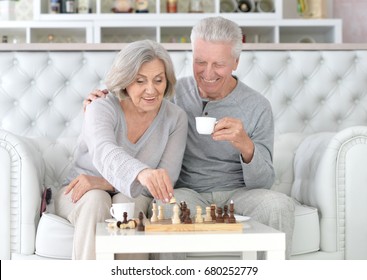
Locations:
(319, 100)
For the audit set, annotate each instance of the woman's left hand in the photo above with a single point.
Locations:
(84, 183)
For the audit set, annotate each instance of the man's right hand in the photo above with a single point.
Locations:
(97, 93)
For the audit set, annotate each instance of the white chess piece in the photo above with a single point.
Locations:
(154, 210)
(199, 215)
(175, 216)
(160, 212)
(208, 216)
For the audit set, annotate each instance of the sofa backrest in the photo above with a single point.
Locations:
(41, 95)
(41, 92)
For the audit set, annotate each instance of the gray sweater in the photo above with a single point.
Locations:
(210, 166)
(104, 150)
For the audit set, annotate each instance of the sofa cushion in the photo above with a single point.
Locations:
(306, 235)
(54, 237)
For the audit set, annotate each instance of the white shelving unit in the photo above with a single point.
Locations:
(104, 26)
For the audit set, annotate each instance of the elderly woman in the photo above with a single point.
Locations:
(131, 145)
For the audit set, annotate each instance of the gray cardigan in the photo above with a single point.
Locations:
(104, 150)
(210, 166)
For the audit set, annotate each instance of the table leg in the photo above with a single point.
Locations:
(249, 255)
(275, 255)
(105, 256)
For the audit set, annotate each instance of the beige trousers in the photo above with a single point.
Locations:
(92, 208)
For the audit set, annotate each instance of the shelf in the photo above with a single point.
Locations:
(103, 26)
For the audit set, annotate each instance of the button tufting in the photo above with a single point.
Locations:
(322, 61)
(305, 80)
(84, 61)
(305, 121)
(15, 102)
(67, 82)
(33, 123)
(67, 124)
(50, 103)
(49, 61)
(289, 60)
(322, 101)
(339, 121)
(101, 81)
(339, 81)
(70, 158)
(289, 101)
(33, 82)
(356, 100)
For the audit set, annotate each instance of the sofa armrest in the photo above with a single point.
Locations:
(330, 174)
(21, 185)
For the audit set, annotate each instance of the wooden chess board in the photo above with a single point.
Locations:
(167, 226)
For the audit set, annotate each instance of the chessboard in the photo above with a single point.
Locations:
(167, 226)
(214, 220)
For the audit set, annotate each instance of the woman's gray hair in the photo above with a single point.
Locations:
(218, 29)
(129, 61)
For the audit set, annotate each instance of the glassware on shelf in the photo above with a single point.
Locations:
(172, 6)
(312, 8)
(196, 6)
(142, 6)
(122, 6)
(246, 6)
(55, 7)
(68, 6)
(84, 7)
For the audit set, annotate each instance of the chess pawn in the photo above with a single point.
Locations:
(225, 215)
(219, 218)
(140, 226)
(208, 217)
(125, 218)
(160, 212)
(154, 217)
(199, 215)
(175, 217)
(212, 211)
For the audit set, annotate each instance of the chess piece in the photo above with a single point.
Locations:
(231, 219)
(199, 215)
(183, 207)
(225, 214)
(175, 216)
(154, 217)
(212, 212)
(208, 217)
(172, 200)
(187, 217)
(141, 226)
(219, 218)
(125, 218)
(160, 212)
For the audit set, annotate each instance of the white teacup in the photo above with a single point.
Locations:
(205, 125)
(117, 210)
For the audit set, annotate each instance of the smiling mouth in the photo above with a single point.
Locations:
(209, 81)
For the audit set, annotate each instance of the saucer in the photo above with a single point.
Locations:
(112, 220)
(242, 218)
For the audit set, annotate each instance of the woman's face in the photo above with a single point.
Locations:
(148, 88)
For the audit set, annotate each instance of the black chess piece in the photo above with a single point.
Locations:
(225, 214)
(140, 226)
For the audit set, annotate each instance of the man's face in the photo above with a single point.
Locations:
(213, 67)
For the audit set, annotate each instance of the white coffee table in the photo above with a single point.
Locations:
(254, 237)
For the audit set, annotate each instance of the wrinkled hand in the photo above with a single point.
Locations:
(158, 183)
(84, 183)
(232, 130)
(93, 96)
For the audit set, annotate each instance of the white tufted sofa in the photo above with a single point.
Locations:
(319, 99)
